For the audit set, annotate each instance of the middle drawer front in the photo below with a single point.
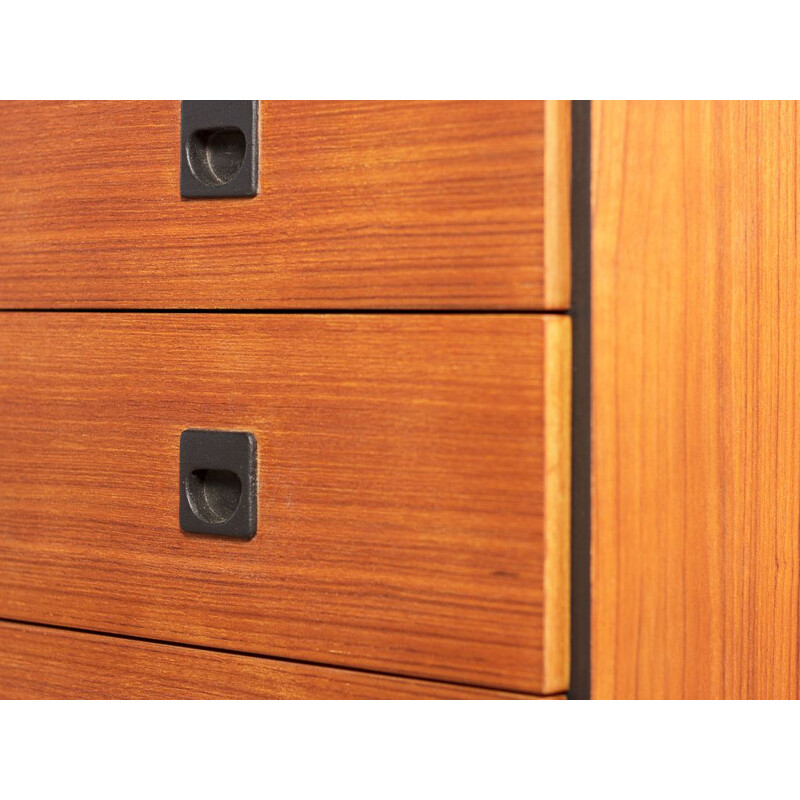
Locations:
(411, 500)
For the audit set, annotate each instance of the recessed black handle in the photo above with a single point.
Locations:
(219, 148)
(218, 483)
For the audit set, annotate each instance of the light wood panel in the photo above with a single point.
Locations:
(696, 460)
(413, 513)
(362, 205)
(38, 663)
(557, 204)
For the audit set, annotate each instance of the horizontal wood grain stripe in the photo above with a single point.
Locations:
(361, 205)
(37, 662)
(411, 517)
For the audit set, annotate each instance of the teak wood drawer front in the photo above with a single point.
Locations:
(413, 486)
(361, 205)
(47, 663)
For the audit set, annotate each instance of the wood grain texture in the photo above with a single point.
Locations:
(557, 203)
(405, 517)
(696, 508)
(362, 205)
(38, 663)
(558, 459)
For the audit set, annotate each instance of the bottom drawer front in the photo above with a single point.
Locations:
(411, 496)
(47, 663)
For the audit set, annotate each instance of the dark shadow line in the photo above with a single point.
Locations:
(581, 501)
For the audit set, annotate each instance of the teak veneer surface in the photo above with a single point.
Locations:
(696, 397)
(361, 205)
(413, 497)
(39, 663)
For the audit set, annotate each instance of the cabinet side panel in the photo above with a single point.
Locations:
(696, 464)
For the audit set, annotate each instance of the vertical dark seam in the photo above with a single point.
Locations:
(581, 483)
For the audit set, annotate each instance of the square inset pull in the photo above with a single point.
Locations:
(218, 483)
(219, 148)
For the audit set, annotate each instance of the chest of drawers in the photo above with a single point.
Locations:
(384, 317)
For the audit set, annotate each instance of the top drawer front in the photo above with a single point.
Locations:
(361, 205)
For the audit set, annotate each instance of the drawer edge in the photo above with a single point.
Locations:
(557, 204)
(557, 455)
